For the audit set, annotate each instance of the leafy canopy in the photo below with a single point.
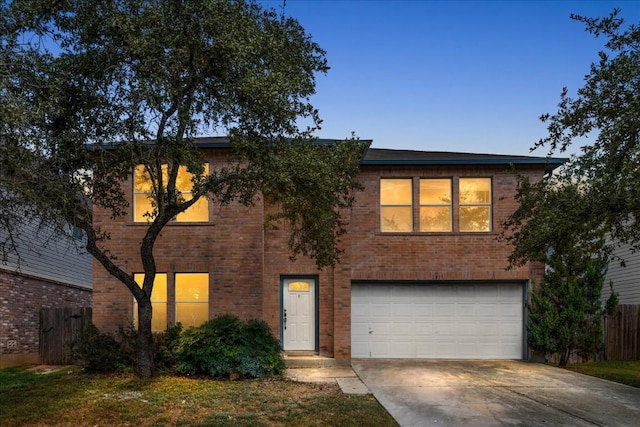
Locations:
(597, 192)
(91, 88)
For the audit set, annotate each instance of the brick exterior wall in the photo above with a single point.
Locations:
(433, 256)
(230, 248)
(21, 298)
(247, 262)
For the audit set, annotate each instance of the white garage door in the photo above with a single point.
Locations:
(453, 321)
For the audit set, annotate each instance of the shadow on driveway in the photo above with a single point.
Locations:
(495, 393)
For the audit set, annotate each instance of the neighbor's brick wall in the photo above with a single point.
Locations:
(21, 298)
(229, 248)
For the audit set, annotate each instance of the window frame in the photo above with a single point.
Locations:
(488, 204)
(436, 205)
(154, 304)
(456, 206)
(382, 205)
(185, 194)
(205, 301)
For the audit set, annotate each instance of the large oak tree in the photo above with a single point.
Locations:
(90, 89)
(597, 191)
(574, 219)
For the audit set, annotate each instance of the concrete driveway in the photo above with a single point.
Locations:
(495, 393)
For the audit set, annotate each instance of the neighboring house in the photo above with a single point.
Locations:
(626, 280)
(424, 273)
(50, 272)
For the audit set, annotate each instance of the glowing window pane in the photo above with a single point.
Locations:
(475, 204)
(475, 218)
(192, 298)
(142, 189)
(191, 314)
(199, 212)
(396, 198)
(435, 205)
(299, 286)
(142, 181)
(143, 208)
(475, 191)
(435, 191)
(158, 302)
(192, 287)
(395, 219)
(395, 192)
(435, 218)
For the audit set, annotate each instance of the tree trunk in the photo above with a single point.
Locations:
(564, 358)
(145, 367)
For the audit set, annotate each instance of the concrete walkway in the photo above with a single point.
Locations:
(315, 369)
(495, 393)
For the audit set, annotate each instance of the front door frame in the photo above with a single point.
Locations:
(316, 300)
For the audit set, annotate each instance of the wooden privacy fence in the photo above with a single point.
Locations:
(622, 332)
(58, 328)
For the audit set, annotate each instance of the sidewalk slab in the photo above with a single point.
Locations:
(352, 386)
(345, 377)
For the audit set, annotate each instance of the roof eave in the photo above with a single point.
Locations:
(549, 162)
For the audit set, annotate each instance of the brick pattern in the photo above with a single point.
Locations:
(432, 256)
(246, 261)
(21, 298)
(229, 247)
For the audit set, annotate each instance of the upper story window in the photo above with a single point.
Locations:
(396, 205)
(475, 204)
(435, 205)
(142, 188)
(438, 205)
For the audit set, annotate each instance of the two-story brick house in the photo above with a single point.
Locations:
(423, 273)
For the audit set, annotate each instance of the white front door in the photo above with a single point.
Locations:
(299, 314)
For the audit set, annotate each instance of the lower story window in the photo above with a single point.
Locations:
(158, 302)
(192, 298)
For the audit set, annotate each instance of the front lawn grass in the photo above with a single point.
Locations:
(71, 398)
(627, 372)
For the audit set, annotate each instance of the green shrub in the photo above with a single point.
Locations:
(164, 346)
(100, 352)
(225, 347)
(105, 353)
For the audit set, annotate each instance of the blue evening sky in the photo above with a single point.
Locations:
(467, 76)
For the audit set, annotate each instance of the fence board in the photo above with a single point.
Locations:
(58, 328)
(622, 332)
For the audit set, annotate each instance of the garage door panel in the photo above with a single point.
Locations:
(444, 309)
(488, 309)
(422, 312)
(422, 330)
(359, 329)
(401, 309)
(437, 321)
(401, 329)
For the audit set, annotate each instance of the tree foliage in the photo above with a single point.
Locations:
(564, 220)
(605, 173)
(91, 88)
(565, 314)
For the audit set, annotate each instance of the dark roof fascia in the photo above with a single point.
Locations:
(459, 159)
(215, 142)
(553, 161)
